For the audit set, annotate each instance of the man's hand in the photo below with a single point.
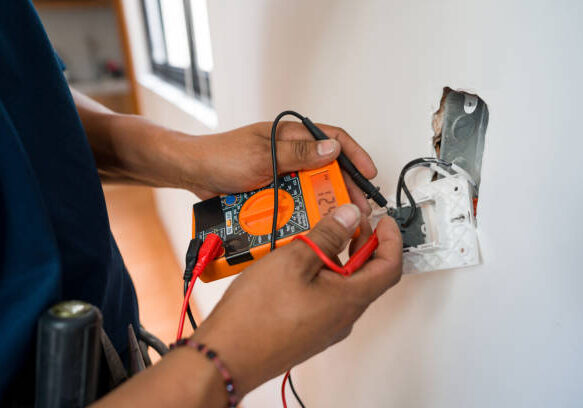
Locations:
(287, 307)
(240, 160)
(277, 313)
(131, 149)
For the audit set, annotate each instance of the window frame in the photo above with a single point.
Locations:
(193, 81)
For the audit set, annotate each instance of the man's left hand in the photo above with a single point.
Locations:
(240, 160)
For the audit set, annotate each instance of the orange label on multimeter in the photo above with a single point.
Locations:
(243, 221)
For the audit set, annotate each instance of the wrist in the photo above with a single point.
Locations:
(212, 356)
(243, 361)
(151, 154)
(205, 386)
(182, 378)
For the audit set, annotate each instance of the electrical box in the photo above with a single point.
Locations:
(442, 232)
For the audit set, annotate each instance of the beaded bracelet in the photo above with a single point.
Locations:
(212, 356)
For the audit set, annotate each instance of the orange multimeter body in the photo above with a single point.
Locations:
(244, 220)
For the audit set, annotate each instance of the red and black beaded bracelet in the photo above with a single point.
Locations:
(212, 356)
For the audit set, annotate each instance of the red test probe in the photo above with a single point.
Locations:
(210, 249)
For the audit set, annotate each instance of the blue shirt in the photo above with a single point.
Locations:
(55, 239)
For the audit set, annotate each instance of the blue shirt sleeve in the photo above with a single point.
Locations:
(60, 62)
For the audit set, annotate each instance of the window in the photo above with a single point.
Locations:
(179, 44)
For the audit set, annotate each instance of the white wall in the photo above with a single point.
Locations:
(506, 333)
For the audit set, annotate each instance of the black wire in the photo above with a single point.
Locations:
(188, 311)
(274, 163)
(191, 260)
(424, 161)
(291, 384)
(401, 185)
(413, 212)
(276, 206)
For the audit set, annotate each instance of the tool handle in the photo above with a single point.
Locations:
(362, 182)
(68, 355)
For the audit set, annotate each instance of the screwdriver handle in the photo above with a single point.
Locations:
(362, 182)
(68, 355)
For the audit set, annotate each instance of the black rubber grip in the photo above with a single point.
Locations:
(362, 182)
(68, 351)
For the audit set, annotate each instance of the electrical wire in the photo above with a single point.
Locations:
(285, 378)
(356, 260)
(274, 165)
(188, 310)
(274, 222)
(401, 185)
(209, 250)
(185, 307)
(191, 260)
(291, 385)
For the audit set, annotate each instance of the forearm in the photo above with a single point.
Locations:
(184, 378)
(131, 149)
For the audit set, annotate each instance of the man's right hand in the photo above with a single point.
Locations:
(287, 307)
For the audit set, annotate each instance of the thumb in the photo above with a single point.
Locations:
(331, 235)
(295, 155)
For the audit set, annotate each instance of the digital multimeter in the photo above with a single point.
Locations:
(243, 221)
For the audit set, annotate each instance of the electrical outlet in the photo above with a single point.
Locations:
(441, 233)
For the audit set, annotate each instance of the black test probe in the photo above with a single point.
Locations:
(362, 182)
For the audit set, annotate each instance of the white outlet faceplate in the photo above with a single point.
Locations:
(451, 239)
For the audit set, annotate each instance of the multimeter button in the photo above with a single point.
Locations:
(230, 199)
(256, 215)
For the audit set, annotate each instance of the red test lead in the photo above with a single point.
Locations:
(209, 250)
(355, 261)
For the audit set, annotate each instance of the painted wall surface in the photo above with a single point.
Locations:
(508, 333)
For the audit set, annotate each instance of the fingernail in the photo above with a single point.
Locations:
(326, 147)
(348, 215)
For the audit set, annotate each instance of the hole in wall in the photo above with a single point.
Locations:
(459, 127)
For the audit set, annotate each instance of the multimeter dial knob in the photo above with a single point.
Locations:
(256, 215)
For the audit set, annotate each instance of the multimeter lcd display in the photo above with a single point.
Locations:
(324, 192)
